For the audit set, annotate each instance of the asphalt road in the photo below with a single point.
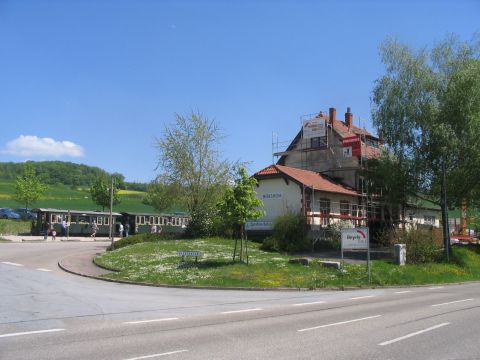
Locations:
(46, 313)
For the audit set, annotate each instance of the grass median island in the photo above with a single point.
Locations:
(157, 262)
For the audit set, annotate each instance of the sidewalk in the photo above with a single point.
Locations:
(82, 264)
(31, 238)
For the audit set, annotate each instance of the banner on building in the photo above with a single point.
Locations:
(354, 143)
(314, 128)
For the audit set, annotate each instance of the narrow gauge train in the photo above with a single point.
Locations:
(79, 221)
(141, 223)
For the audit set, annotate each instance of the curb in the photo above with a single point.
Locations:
(66, 269)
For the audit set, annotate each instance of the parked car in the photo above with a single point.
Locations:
(26, 214)
(7, 213)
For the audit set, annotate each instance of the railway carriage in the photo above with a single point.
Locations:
(141, 223)
(79, 221)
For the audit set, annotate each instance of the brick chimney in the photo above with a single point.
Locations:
(332, 115)
(348, 117)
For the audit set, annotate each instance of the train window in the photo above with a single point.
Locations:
(141, 220)
(152, 221)
(99, 220)
(162, 221)
(83, 219)
(157, 220)
(178, 221)
(73, 219)
(106, 220)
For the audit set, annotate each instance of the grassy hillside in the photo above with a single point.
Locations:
(75, 198)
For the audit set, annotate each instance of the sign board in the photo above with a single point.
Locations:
(272, 196)
(356, 238)
(259, 225)
(313, 128)
(353, 142)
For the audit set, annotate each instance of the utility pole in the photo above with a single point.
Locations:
(446, 235)
(111, 216)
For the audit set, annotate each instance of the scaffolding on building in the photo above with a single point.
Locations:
(318, 219)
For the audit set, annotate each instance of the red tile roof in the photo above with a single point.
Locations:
(344, 131)
(307, 178)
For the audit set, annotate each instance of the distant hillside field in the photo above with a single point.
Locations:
(77, 198)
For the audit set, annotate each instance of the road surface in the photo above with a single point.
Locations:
(46, 313)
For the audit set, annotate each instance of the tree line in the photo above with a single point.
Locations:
(66, 173)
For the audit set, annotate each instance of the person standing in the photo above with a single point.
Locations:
(120, 230)
(94, 229)
(64, 227)
(127, 229)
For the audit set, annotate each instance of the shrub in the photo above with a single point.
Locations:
(290, 233)
(421, 247)
(201, 223)
(268, 244)
(140, 238)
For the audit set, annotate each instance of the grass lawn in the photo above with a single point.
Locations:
(9, 227)
(158, 263)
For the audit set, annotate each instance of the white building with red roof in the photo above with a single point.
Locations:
(319, 174)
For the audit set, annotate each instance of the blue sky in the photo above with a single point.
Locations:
(95, 82)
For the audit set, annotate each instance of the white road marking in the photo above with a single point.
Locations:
(413, 334)
(31, 332)
(10, 263)
(149, 321)
(157, 355)
(453, 302)
(42, 269)
(403, 292)
(362, 297)
(309, 303)
(240, 311)
(340, 323)
(435, 287)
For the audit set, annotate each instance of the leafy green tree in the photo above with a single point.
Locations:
(392, 180)
(427, 107)
(240, 204)
(28, 187)
(100, 192)
(161, 195)
(190, 161)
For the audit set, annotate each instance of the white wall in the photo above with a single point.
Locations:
(417, 216)
(278, 199)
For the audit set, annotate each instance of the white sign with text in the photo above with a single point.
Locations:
(356, 238)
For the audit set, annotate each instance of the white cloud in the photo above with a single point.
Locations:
(27, 145)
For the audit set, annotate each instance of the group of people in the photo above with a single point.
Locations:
(49, 229)
(121, 230)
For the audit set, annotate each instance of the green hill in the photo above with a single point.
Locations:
(61, 196)
(54, 172)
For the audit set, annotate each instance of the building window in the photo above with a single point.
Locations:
(325, 211)
(429, 220)
(374, 212)
(344, 207)
(318, 143)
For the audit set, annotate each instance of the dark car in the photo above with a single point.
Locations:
(7, 213)
(26, 214)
